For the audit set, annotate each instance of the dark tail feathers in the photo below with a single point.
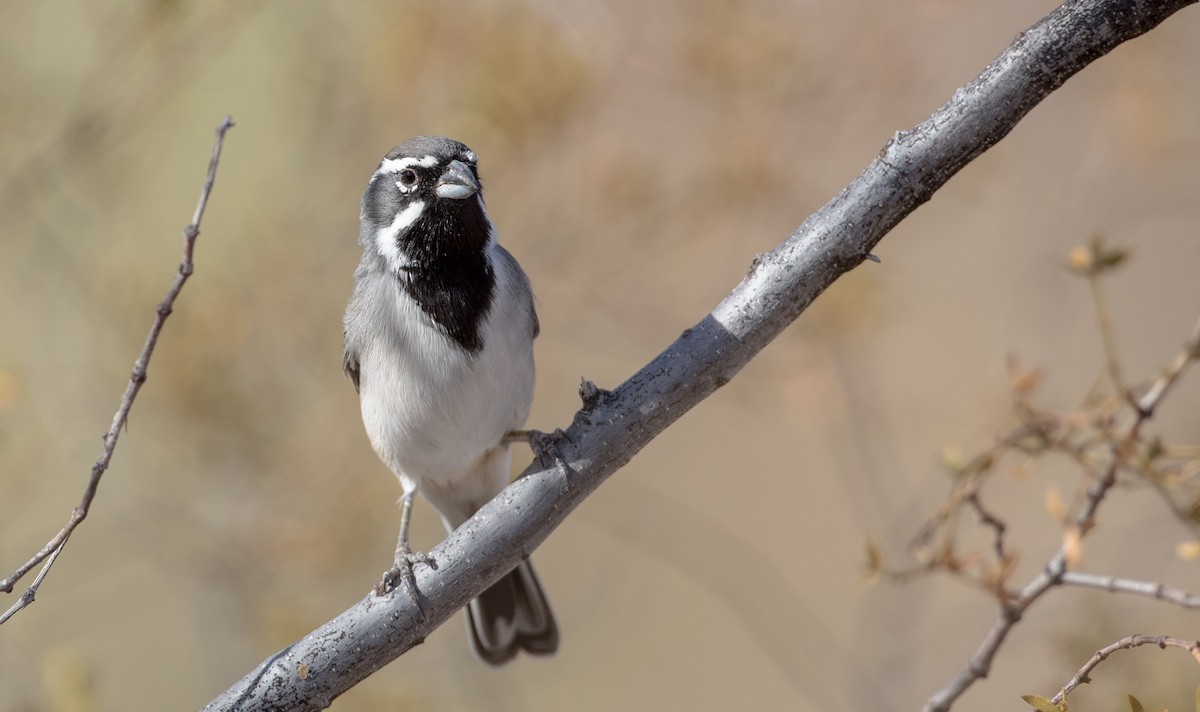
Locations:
(511, 616)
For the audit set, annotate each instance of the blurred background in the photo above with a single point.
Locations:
(637, 156)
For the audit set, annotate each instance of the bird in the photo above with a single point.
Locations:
(439, 333)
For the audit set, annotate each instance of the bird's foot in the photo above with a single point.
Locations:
(545, 447)
(517, 436)
(402, 572)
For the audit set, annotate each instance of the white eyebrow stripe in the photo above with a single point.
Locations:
(385, 239)
(395, 165)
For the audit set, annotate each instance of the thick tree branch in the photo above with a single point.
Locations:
(613, 426)
(49, 553)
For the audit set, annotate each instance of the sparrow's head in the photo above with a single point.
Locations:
(424, 205)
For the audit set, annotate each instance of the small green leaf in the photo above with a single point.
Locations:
(1041, 704)
(1134, 705)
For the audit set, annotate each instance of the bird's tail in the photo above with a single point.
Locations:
(511, 616)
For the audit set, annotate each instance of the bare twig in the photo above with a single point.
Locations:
(1191, 351)
(1108, 337)
(1133, 641)
(1052, 575)
(1086, 436)
(1036, 434)
(31, 592)
(1114, 584)
(969, 479)
(996, 524)
(50, 551)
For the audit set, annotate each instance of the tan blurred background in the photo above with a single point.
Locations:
(637, 155)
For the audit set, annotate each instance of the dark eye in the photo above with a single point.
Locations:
(408, 177)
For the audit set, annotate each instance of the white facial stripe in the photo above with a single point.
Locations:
(395, 165)
(385, 239)
(406, 217)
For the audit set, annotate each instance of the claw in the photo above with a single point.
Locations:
(545, 446)
(402, 571)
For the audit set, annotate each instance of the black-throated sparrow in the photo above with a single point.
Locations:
(439, 344)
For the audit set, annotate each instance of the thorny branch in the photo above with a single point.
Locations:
(49, 553)
(1133, 641)
(1093, 261)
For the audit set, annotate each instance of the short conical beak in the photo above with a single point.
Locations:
(457, 182)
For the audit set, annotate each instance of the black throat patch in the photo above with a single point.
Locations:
(447, 273)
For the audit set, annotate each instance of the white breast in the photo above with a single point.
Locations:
(431, 410)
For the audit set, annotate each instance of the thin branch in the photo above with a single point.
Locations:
(1052, 575)
(1191, 351)
(1113, 584)
(1133, 641)
(996, 524)
(50, 551)
(1038, 433)
(1108, 336)
(31, 592)
(613, 426)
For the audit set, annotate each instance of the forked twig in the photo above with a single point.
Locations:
(49, 553)
(1052, 575)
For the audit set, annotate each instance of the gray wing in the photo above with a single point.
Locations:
(354, 326)
(524, 291)
(350, 364)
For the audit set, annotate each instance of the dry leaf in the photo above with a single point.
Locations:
(1073, 547)
(1041, 704)
(874, 563)
(1188, 551)
(1080, 259)
(1026, 382)
(952, 458)
(1055, 505)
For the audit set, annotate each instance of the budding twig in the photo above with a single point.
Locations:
(1133, 641)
